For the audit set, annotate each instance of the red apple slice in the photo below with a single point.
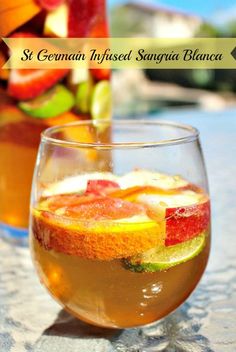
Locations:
(141, 177)
(184, 223)
(59, 15)
(186, 213)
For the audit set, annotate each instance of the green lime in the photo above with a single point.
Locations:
(101, 102)
(54, 102)
(163, 258)
(83, 96)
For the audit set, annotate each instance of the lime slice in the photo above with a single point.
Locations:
(83, 96)
(54, 102)
(101, 101)
(163, 258)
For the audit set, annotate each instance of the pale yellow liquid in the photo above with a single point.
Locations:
(107, 294)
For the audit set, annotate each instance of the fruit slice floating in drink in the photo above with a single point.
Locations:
(152, 226)
(163, 258)
(101, 228)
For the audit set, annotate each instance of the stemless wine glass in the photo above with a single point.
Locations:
(120, 227)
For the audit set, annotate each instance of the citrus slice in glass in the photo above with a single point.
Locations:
(101, 101)
(54, 102)
(83, 96)
(94, 227)
(163, 258)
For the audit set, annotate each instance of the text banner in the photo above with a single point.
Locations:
(118, 53)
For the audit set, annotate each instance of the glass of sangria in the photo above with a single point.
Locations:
(124, 247)
(33, 100)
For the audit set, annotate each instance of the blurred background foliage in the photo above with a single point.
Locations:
(156, 89)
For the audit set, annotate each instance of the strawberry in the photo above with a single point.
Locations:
(98, 28)
(23, 35)
(78, 18)
(28, 84)
(87, 19)
(101, 187)
(49, 5)
(100, 74)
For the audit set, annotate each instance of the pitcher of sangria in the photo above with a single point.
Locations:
(32, 100)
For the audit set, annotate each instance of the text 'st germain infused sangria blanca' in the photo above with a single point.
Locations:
(32, 100)
(124, 247)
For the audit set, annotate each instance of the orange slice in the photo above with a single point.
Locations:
(10, 114)
(82, 134)
(61, 119)
(11, 4)
(79, 133)
(132, 193)
(94, 227)
(4, 73)
(14, 13)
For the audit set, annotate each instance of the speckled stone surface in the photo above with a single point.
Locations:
(31, 321)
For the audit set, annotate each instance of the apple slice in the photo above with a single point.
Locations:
(56, 22)
(186, 213)
(141, 177)
(184, 223)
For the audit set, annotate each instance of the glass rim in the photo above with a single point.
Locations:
(193, 134)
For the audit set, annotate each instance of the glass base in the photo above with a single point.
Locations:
(177, 332)
(15, 235)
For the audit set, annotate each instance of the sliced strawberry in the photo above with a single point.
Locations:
(98, 28)
(67, 200)
(23, 35)
(104, 208)
(91, 207)
(78, 18)
(101, 74)
(87, 19)
(101, 187)
(28, 84)
(49, 5)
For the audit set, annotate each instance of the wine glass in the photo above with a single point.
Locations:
(120, 218)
